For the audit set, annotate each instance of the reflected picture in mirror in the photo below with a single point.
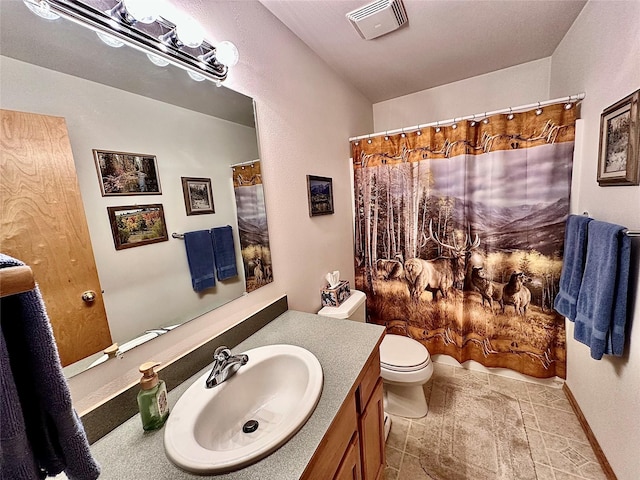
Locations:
(127, 173)
(192, 129)
(198, 197)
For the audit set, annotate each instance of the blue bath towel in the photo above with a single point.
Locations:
(575, 249)
(224, 252)
(602, 302)
(200, 258)
(41, 435)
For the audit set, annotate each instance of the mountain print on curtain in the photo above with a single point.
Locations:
(459, 237)
(252, 225)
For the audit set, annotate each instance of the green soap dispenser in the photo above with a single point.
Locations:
(152, 399)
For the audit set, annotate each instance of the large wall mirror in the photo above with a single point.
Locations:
(114, 99)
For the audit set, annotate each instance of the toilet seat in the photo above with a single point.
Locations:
(403, 354)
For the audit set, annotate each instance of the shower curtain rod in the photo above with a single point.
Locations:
(250, 162)
(477, 116)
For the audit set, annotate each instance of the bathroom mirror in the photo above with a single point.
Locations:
(115, 99)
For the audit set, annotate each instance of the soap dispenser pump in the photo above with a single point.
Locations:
(152, 398)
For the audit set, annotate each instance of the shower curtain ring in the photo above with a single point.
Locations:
(437, 127)
(369, 139)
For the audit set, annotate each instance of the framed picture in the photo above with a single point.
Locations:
(137, 225)
(619, 153)
(121, 173)
(320, 190)
(198, 196)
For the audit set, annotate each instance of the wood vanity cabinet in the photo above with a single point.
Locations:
(353, 447)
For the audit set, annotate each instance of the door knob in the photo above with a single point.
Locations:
(89, 296)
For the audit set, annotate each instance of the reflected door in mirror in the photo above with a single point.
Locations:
(42, 223)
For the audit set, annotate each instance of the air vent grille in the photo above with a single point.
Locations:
(378, 18)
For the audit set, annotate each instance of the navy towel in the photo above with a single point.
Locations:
(575, 249)
(224, 252)
(41, 435)
(602, 302)
(200, 258)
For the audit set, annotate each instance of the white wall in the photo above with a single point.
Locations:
(518, 85)
(600, 55)
(185, 143)
(306, 114)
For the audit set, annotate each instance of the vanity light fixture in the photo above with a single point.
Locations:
(140, 24)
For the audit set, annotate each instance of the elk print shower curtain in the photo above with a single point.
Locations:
(459, 236)
(252, 225)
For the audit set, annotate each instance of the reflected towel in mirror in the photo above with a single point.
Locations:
(224, 252)
(200, 257)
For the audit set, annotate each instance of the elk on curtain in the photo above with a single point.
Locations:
(252, 225)
(459, 236)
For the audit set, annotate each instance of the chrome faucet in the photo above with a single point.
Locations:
(225, 366)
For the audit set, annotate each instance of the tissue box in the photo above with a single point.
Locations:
(334, 297)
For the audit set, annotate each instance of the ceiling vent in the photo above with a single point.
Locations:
(378, 18)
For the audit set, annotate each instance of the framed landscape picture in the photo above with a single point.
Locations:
(619, 153)
(123, 173)
(137, 225)
(320, 191)
(198, 196)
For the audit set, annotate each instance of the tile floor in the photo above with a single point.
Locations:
(559, 447)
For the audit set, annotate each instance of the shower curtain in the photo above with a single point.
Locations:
(252, 225)
(459, 236)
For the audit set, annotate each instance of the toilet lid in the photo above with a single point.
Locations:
(403, 354)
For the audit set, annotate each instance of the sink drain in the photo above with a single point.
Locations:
(250, 427)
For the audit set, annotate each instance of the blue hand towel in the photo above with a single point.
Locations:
(224, 252)
(41, 434)
(200, 258)
(575, 249)
(602, 302)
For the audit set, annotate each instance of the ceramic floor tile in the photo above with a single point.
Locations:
(398, 433)
(538, 447)
(411, 469)
(393, 457)
(544, 472)
(559, 422)
(390, 473)
(559, 447)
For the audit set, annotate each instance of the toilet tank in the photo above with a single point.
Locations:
(354, 308)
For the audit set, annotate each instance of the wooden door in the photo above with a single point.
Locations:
(42, 223)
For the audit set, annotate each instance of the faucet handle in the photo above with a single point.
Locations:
(221, 353)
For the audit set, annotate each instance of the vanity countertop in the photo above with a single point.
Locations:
(341, 346)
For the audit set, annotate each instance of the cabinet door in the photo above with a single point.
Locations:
(349, 468)
(372, 436)
(42, 223)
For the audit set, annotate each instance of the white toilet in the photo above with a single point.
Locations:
(405, 364)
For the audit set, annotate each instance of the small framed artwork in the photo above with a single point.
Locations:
(137, 225)
(198, 196)
(619, 153)
(121, 173)
(320, 190)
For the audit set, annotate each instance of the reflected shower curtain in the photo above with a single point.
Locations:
(459, 236)
(252, 225)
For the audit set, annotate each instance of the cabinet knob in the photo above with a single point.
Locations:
(89, 296)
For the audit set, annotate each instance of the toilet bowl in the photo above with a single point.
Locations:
(405, 364)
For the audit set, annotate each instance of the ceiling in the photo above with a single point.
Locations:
(444, 40)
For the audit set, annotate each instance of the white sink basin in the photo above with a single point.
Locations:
(279, 387)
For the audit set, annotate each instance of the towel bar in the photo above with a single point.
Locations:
(627, 232)
(177, 235)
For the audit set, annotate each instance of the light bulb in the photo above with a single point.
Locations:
(196, 76)
(110, 40)
(227, 53)
(144, 11)
(156, 60)
(190, 32)
(42, 9)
